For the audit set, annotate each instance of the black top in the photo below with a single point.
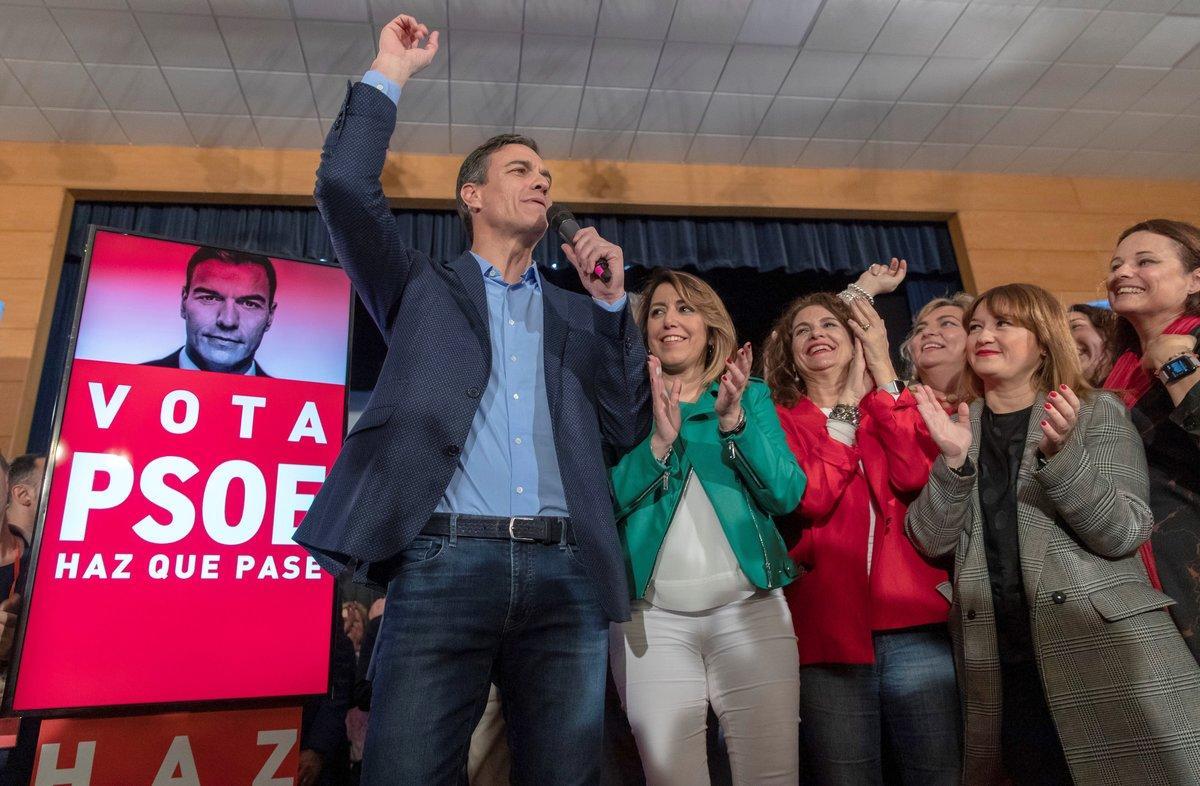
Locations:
(1001, 445)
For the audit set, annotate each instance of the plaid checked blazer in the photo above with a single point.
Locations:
(1121, 684)
(398, 459)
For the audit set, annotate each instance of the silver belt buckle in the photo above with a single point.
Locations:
(512, 535)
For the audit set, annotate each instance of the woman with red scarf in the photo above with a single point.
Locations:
(1154, 288)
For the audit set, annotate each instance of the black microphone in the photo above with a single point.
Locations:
(562, 222)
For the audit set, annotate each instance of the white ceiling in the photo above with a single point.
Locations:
(1074, 87)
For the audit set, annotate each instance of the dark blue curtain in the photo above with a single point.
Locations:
(787, 245)
(808, 253)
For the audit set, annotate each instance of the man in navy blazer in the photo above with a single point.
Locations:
(474, 484)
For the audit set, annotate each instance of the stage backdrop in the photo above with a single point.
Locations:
(164, 571)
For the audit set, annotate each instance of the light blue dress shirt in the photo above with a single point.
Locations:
(509, 465)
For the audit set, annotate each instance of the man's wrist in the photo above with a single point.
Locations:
(391, 69)
(383, 84)
(611, 306)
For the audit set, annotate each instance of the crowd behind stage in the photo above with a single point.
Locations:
(983, 563)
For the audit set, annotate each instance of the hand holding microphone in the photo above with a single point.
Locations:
(600, 264)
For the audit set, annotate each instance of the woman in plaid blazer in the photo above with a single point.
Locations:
(1068, 661)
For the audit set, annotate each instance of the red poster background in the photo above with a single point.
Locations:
(224, 746)
(104, 629)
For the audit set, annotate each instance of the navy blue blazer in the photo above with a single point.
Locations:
(398, 458)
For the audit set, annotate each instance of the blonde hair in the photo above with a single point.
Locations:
(783, 376)
(960, 300)
(1039, 312)
(722, 337)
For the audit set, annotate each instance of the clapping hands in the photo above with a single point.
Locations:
(733, 384)
(951, 435)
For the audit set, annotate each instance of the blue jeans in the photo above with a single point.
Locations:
(907, 701)
(462, 612)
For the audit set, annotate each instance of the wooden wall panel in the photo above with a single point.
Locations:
(22, 302)
(1058, 271)
(1054, 231)
(1057, 231)
(24, 254)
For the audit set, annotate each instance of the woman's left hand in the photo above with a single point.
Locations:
(733, 384)
(871, 331)
(1059, 416)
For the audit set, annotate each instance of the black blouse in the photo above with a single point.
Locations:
(1001, 446)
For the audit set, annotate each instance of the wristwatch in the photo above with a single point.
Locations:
(1177, 368)
(895, 387)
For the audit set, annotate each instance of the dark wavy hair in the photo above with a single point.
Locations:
(783, 376)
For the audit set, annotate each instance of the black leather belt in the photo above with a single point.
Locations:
(527, 529)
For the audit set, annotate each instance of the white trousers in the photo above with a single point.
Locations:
(741, 658)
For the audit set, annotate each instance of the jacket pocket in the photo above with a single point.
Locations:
(1127, 600)
(371, 418)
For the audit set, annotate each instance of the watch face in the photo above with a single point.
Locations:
(1177, 366)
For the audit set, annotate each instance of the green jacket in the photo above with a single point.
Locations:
(748, 477)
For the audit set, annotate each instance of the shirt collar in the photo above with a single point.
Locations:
(531, 276)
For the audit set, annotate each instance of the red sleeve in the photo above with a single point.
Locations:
(904, 438)
(828, 464)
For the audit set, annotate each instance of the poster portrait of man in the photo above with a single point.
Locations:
(227, 305)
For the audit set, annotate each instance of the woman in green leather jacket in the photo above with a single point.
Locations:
(694, 506)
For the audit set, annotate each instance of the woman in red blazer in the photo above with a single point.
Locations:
(876, 667)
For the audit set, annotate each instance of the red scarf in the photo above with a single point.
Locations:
(1130, 381)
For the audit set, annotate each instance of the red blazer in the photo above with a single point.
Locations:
(835, 606)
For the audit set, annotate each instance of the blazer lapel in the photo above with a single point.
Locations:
(973, 452)
(976, 429)
(470, 294)
(1034, 534)
(554, 342)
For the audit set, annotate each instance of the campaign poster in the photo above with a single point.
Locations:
(258, 747)
(203, 407)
